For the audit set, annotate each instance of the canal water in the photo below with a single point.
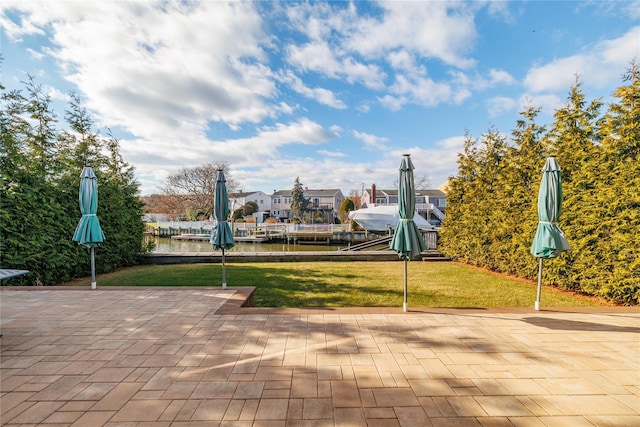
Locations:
(167, 245)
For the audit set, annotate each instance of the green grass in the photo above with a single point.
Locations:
(352, 284)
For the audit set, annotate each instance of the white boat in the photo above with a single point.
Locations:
(384, 217)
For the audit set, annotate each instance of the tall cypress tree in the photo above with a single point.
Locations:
(298, 202)
(573, 139)
(468, 231)
(34, 220)
(516, 198)
(487, 207)
(614, 261)
(456, 235)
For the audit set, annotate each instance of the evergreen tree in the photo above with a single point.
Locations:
(572, 140)
(40, 177)
(35, 225)
(473, 195)
(489, 219)
(614, 260)
(298, 202)
(601, 207)
(516, 199)
(120, 210)
(455, 235)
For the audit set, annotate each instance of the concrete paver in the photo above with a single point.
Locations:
(191, 356)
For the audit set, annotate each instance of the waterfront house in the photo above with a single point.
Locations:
(241, 198)
(325, 201)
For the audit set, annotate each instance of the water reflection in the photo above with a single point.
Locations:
(164, 245)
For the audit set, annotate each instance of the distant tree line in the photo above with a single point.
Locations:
(40, 168)
(492, 201)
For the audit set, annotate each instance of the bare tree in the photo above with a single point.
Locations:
(356, 197)
(193, 188)
(421, 182)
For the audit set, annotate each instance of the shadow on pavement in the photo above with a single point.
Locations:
(575, 325)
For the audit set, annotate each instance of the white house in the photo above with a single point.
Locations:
(238, 200)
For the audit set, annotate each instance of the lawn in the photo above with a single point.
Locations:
(352, 284)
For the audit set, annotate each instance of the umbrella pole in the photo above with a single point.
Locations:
(224, 274)
(537, 304)
(93, 268)
(404, 306)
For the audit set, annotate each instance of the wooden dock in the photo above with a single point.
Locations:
(186, 236)
(252, 239)
(291, 233)
(230, 256)
(303, 256)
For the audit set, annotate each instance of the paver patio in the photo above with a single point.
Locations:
(185, 356)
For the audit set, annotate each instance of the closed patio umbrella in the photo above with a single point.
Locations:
(221, 238)
(549, 240)
(407, 240)
(88, 233)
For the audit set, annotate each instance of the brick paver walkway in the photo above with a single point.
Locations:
(168, 356)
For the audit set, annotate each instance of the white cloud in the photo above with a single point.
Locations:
(500, 77)
(321, 58)
(555, 76)
(26, 25)
(354, 47)
(440, 30)
(418, 90)
(480, 82)
(548, 103)
(35, 54)
(371, 141)
(597, 67)
(319, 19)
(56, 94)
(393, 103)
(402, 60)
(161, 70)
(437, 163)
(331, 153)
(321, 95)
(499, 105)
(623, 49)
(152, 157)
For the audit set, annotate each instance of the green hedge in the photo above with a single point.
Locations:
(492, 214)
(40, 168)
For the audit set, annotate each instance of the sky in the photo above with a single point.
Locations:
(331, 92)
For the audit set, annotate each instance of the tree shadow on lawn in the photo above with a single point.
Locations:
(288, 287)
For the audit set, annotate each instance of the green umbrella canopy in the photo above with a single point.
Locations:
(549, 241)
(88, 232)
(221, 237)
(407, 240)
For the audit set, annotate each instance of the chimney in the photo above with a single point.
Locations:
(373, 194)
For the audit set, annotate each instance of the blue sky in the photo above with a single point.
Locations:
(331, 92)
